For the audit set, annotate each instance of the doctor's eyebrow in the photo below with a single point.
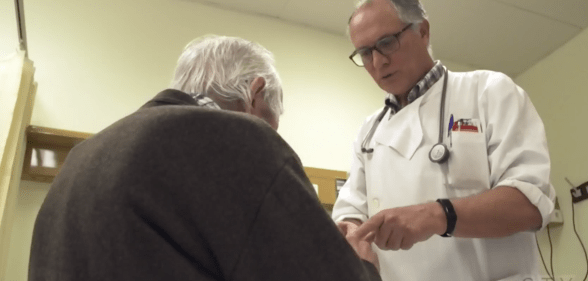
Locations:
(378, 40)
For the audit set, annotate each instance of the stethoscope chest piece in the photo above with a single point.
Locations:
(439, 153)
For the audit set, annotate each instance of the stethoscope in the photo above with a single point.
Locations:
(439, 152)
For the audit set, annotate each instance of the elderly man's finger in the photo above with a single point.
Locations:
(346, 227)
(343, 228)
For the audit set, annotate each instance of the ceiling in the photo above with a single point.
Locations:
(503, 35)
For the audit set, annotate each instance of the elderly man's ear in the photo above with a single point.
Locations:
(259, 106)
(257, 88)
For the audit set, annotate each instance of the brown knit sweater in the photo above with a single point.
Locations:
(179, 192)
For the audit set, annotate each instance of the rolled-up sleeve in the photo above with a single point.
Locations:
(517, 145)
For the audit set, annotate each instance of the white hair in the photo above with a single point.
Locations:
(224, 67)
(409, 12)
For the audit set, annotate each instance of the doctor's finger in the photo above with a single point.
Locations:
(383, 235)
(407, 243)
(370, 226)
(395, 240)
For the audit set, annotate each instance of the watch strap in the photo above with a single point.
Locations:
(451, 216)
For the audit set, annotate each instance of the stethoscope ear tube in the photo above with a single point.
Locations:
(389, 105)
(364, 144)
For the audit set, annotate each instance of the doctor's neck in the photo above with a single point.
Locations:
(402, 99)
(427, 66)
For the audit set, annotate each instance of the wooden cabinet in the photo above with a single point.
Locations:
(326, 181)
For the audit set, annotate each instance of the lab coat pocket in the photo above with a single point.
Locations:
(468, 163)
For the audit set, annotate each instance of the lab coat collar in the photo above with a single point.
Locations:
(403, 131)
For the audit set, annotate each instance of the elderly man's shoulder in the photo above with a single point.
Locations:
(189, 127)
(201, 117)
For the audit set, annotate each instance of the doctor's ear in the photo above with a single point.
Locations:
(424, 29)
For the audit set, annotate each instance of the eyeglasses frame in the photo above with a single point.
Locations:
(371, 49)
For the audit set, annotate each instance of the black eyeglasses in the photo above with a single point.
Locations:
(385, 46)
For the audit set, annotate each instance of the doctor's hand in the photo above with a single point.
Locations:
(401, 228)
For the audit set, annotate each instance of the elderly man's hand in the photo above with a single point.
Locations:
(347, 226)
(362, 247)
(401, 228)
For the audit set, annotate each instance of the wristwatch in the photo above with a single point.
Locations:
(451, 216)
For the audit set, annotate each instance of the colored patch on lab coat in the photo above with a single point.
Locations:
(465, 125)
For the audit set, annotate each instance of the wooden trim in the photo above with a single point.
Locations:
(62, 141)
(55, 137)
(324, 173)
(58, 141)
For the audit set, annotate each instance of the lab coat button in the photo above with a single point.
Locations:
(376, 203)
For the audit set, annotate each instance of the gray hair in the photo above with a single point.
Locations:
(224, 67)
(409, 11)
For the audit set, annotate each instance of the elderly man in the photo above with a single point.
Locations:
(451, 179)
(194, 186)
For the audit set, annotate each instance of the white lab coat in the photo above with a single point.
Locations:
(510, 149)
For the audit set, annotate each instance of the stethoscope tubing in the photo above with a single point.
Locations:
(439, 152)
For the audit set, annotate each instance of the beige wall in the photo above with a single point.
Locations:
(557, 86)
(8, 29)
(98, 61)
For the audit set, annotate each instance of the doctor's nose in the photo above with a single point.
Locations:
(379, 60)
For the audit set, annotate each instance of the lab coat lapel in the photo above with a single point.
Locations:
(403, 132)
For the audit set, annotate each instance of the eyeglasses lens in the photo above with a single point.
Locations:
(385, 46)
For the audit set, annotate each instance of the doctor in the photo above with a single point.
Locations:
(451, 178)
